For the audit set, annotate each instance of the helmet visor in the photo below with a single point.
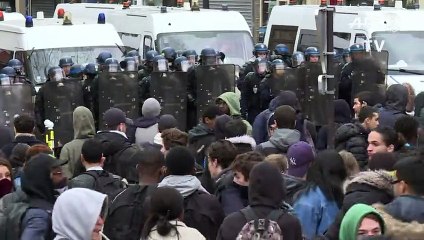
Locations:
(209, 61)
(185, 65)
(56, 75)
(262, 67)
(162, 65)
(113, 67)
(191, 59)
(5, 81)
(298, 59)
(131, 66)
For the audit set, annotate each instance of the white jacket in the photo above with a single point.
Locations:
(185, 233)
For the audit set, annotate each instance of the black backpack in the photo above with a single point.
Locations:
(124, 220)
(106, 183)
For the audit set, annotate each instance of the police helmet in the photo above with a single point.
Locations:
(346, 52)
(4, 79)
(169, 53)
(76, 70)
(356, 48)
(15, 63)
(55, 74)
(261, 66)
(90, 68)
(208, 56)
(281, 49)
(150, 55)
(101, 59)
(311, 51)
(129, 64)
(111, 65)
(297, 59)
(132, 53)
(182, 64)
(189, 52)
(260, 48)
(66, 61)
(9, 71)
(160, 64)
(208, 52)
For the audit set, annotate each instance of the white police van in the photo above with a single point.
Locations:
(396, 30)
(151, 27)
(40, 42)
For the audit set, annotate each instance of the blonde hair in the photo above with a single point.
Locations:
(350, 163)
(278, 160)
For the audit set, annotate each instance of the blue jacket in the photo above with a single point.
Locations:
(395, 105)
(36, 225)
(315, 212)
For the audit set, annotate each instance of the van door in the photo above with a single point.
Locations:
(147, 44)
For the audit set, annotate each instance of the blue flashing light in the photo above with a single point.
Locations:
(28, 21)
(101, 19)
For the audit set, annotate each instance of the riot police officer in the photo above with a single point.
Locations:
(272, 83)
(135, 55)
(191, 56)
(147, 65)
(312, 54)
(111, 65)
(160, 64)
(76, 71)
(129, 64)
(101, 59)
(90, 73)
(260, 51)
(250, 94)
(181, 64)
(346, 56)
(298, 59)
(281, 51)
(170, 54)
(18, 66)
(65, 63)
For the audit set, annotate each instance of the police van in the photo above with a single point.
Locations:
(7, 16)
(394, 29)
(39, 43)
(156, 27)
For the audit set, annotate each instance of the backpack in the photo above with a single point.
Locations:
(124, 220)
(10, 220)
(106, 183)
(261, 228)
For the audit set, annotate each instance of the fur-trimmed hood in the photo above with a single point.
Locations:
(379, 179)
(400, 230)
(245, 139)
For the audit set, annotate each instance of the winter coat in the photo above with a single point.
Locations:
(143, 131)
(119, 154)
(279, 142)
(233, 102)
(183, 231)
(395, 105)
(263, 198)
(367, 187)
(24, 138)
(354, 139)
(293, 186)
(84, 129)
(315, 212)
(402, 230)
(199, 139)
(232, 196)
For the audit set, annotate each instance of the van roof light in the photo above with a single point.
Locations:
(101, 19)
(163, 9)
(224, 7)
(1, 16)
(60, 13)
(67, 19)
(28, 22)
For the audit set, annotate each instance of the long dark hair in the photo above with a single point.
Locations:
(328, 173)
(166, 204)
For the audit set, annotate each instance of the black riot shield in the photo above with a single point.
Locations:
(313, 103)
(60, 100)
(369, 74)
(119, 90)
(288, 82)
(170, 89)
(212, 81)
(15, 100)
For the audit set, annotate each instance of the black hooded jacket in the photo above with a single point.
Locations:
(119, 154)
(263, 198)
(395, 105)
(353, 137)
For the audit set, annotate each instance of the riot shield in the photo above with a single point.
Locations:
(288, 82)
(119, 90)
(312, 102)
(369, 74)
(15, 100)
(212, 81)
(60, 100)
(170, 89)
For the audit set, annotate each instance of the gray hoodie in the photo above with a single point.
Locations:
(75, 213)
(279, 142)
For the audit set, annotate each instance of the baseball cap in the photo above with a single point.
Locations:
(410, 170)
(299, 156)
(115, 116)
(51, 161)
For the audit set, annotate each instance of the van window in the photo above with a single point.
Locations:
(283, 34)
(131, 40)
(360, 38)
(308, 38)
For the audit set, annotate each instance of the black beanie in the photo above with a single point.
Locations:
(179, 161)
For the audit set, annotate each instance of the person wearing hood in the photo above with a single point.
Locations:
(341, 116)
(395, 105)
(41, 180)
(404, 216)
(318, 204)
(261, 124)
(202, 210)
(285, 133)
(79, 214)
(266, 194)
(116, 148)
(84, 129)
(229, 103)
(367, 187)
(360, 221)
(236, 133)
(202, 135)
(24, 133)
(145, 128)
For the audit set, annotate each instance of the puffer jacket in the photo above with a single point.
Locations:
(353, 138)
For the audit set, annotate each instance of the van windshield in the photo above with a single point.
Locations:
(42, 59)
(401, 55)
(237, 46)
